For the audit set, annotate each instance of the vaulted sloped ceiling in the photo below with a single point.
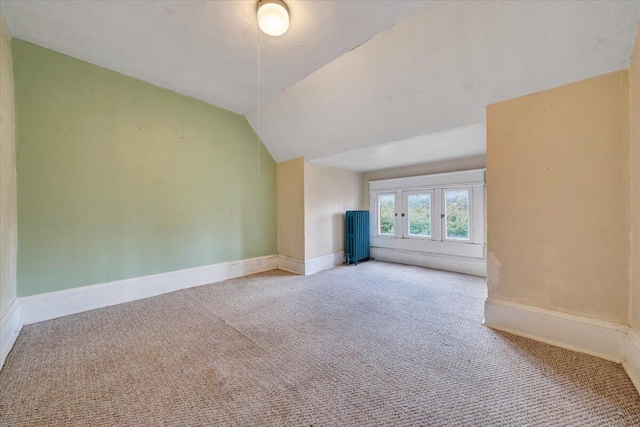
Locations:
(348, 77)
(440, 67)
(210, 50)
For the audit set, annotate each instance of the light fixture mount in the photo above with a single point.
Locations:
(273, 17)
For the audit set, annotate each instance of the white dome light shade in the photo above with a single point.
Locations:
(273, 17)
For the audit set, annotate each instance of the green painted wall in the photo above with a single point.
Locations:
(118, 178)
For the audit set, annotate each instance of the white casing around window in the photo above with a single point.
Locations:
(471, 177)
(473, 181)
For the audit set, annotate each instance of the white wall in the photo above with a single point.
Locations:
(8, 210)
(328, 193)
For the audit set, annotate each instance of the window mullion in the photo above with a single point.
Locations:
(399, 219)
(437, 221)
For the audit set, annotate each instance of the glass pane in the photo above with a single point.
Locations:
(457, 214)
(419, 214)
(387, 203)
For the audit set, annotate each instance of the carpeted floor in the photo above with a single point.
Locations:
(374, 345)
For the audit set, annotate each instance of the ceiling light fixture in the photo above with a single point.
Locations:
(273, 17)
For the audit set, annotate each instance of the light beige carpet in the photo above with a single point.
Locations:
(373, 345)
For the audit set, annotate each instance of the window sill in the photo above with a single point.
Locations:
(465, 249)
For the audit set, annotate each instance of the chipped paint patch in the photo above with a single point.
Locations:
(493, 271)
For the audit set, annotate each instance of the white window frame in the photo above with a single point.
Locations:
(405, 211)
(472, 181)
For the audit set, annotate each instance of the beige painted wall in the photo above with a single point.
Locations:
(328, 193)
(454, 165)
(312, 200)
(8, 210)
(291, 208)
(634, 164)
(558, 198)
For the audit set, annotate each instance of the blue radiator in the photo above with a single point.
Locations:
(357, 237)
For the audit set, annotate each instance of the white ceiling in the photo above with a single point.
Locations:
(463, 142)
(323, 88)
(440, 67)
(204, 49)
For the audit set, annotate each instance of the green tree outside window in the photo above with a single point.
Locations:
(457, 211)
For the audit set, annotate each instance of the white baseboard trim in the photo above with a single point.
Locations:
(48, 306)
(37, 308)
(292, 265)
(312, 266)
(475, 266)
(610, 341)
(323, 263)
(51, 305)
(9, 329)
(632, 363)
(595, 337)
